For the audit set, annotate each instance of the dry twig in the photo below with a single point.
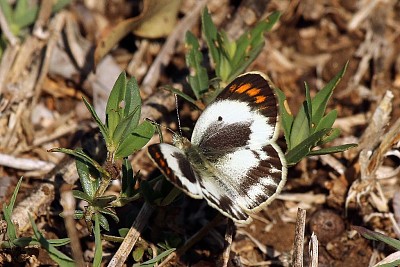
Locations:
(298, 246)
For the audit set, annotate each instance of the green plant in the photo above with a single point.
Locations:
(230, 57)
(13, 240)
(310, 127)
(123, 135)
(305, 131)
(22, 15)
(392, 260)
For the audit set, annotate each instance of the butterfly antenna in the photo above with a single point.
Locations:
(158, 126)
(177, 114)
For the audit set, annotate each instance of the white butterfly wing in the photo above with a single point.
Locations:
(175, 166)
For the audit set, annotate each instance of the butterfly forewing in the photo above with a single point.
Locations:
(175, 166)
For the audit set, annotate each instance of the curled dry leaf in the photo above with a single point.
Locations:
(157, 20)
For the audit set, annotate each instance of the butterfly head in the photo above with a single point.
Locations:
(181, 142)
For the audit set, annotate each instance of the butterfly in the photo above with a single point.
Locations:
(232, 160)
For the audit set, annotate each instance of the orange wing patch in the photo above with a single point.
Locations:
(243, 88)
(233, 88)
(253, 92)
(259, 99)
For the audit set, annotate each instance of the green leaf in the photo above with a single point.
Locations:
(109, 212)
(137, 254)
(327, 121)
(128, 180)
(395, 263)
(180, 93)
(104, 131)
(98, 253)
(249, 45)
(25, 13)
(302, 150)
(172, 195)
(7, 11)
(123, 231)
(7, 213)
(115, 106)
(228, 47)
(82, 195)
(246, 61)
(332, 135)
(78, 153)
(89, 179)
(210, 33)
(308, 106)
(130, 116)
(103, 222)
(377, 237)
(133, 101)
(124, 127)
(135, 141)
(60, 4)
(23, 242)
(153, 261)
(330, 150)
(59, 242)
(320, 100)
(286, 118)
(56, 255)
(300, 130)
(103, 201)
(198, 79)
(79, 214)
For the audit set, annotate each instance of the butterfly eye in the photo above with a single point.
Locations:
(219, 118)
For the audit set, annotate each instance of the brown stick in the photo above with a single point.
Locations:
(299, 238)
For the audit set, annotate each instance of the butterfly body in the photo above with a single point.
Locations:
(232, 160)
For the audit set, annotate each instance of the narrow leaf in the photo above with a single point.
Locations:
(90, 180)
(210, 33)
(302, 150)
(55, 255)
(158, 258)
(110, 212)
(82, 195)
(7, 213)
(115, 106)
(308, 107)
(102, 127)
(198, 78)
(128, 179)
(331, 150)
(300, 130)
(103, 222)
(327, 121)
(181, 94)
(320, 100)
(124, 127)
(135, 141)
(377, 237)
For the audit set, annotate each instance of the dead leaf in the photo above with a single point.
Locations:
(157, 20)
